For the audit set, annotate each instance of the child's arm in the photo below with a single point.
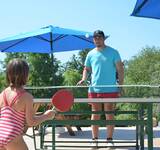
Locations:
(31, 118)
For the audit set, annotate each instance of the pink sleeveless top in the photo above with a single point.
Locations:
(11, 121)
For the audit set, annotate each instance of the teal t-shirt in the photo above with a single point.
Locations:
(103, 69)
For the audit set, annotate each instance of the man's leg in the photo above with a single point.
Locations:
(109, 107)
(95, 107)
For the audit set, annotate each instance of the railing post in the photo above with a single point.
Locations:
(150, 126)
(141, 117)
(41, 136)
(53, 138)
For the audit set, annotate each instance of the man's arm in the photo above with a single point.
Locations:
(120, 71)
(86, 70)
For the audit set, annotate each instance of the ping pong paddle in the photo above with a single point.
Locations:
(62, 100)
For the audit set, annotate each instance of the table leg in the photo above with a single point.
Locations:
(150, 125)
(41, 136)
(141, 117)
(53, 138)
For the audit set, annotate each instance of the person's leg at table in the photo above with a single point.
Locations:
(95, 128)
(110, 128)
(109, 107)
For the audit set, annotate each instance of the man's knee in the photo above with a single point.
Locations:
(109, 117)
(95, 117)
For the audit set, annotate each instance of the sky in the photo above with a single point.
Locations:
(127, 34)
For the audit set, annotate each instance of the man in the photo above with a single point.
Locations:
(102, 62)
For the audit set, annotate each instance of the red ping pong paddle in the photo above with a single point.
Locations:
(63, 100)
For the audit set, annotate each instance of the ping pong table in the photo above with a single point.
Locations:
(140, 122)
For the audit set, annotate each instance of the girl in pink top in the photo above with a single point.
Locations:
(16, 108)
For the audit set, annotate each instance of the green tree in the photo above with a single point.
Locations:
(2, 81)
(71, 77)
(10, 56)
(72, 74)
(44, 71)
(77, 62)
(143, 69)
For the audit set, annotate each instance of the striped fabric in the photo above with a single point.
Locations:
(11, 121)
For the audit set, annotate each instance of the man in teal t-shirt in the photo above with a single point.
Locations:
(102, 62)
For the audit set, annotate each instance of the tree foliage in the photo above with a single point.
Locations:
(143, 69)
(44, 71)
(77, 62)
(72, 74)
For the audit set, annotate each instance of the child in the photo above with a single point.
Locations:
(16, 108)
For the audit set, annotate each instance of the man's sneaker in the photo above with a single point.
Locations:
(94, 143)
(110, 144)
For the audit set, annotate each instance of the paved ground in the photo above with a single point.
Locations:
(121, 133)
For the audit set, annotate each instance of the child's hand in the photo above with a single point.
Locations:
(50, 114)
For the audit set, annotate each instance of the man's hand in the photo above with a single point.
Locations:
(81, 82)
(121, 91)
(85, 76)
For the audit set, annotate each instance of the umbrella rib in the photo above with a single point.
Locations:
(41, 38)
(60, 37)
(140, 6)
(82, 38)
(14, 44)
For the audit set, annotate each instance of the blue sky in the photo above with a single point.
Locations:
(127, 34)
